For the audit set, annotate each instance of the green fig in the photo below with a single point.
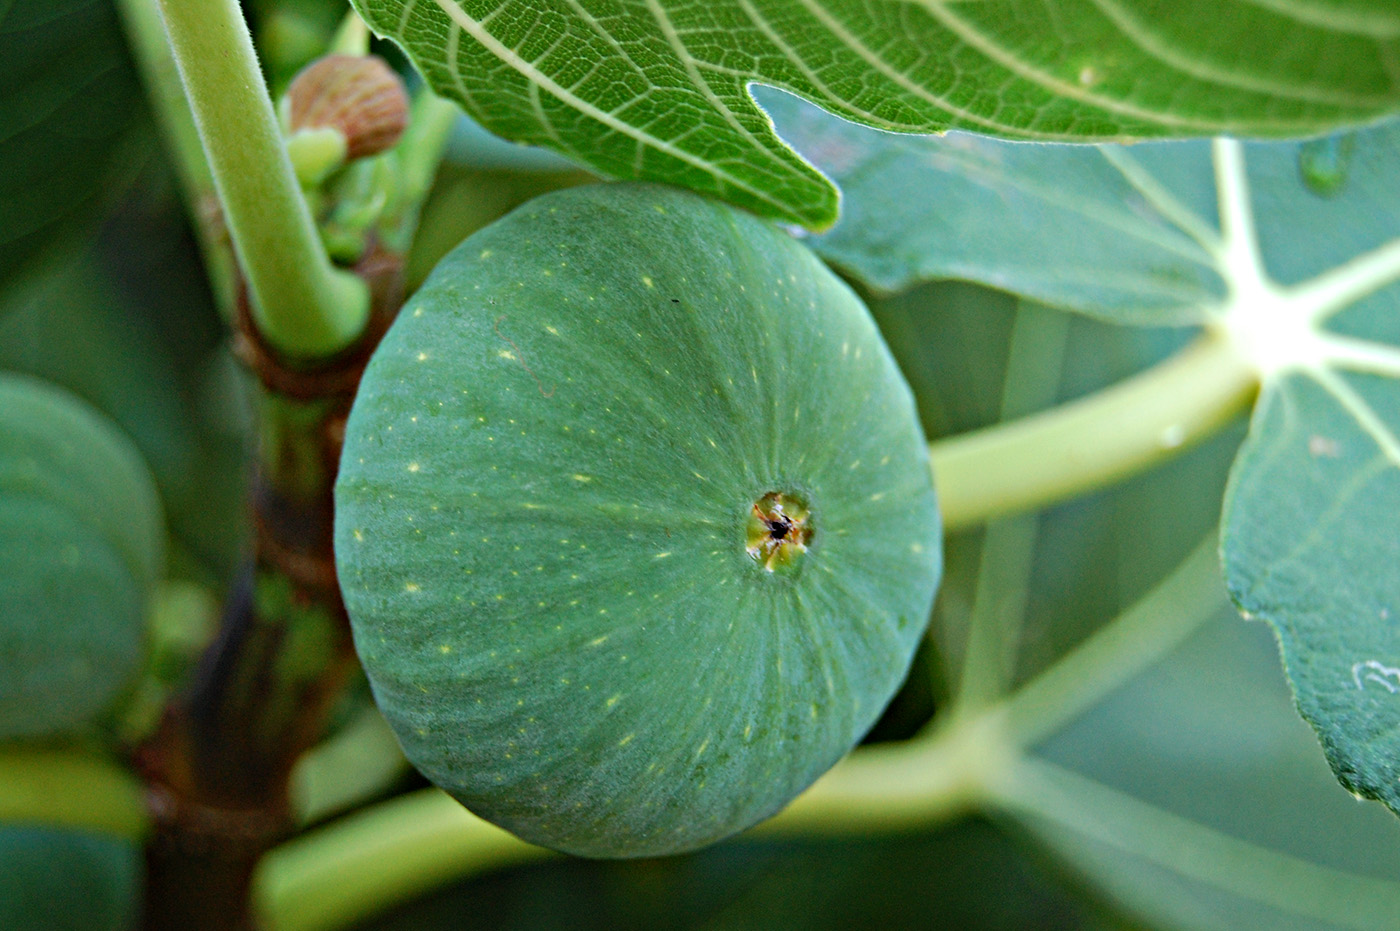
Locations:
(81, 547)
(635, 522)
(56, 879)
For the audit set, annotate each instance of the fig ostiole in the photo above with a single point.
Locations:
(635, 523)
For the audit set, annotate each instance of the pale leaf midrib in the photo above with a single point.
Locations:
(1163, 201)
(1377, 26)
(1361, 412)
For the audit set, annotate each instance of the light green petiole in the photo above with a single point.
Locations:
(347, 871)
(301, 304)
(1092, 442)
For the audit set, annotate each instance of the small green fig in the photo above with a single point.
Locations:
(81, 546)
(635, 523)
(55, 879)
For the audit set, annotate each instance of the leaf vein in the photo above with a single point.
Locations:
(1062, 88)
(1141, 35)
(688, 62)
(508, 57)
(1365, 416)
(1162, 200)
(844, 35)
(1333, 17)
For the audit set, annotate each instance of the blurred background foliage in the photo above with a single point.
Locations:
(72, 123)
(101, 292)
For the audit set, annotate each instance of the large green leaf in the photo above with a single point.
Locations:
(1104, 230)
(660, 90)
(1125, 233)
(1206, 804)
(1309, 541)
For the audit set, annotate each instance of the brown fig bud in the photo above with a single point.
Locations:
(358, 96)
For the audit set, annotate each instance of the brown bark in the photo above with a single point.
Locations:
(217, 769)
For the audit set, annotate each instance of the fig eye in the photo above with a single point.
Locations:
(779, 530)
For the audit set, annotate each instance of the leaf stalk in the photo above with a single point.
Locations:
(1092, 442)
(302, 305)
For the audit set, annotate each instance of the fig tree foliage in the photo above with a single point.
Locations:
(662, 91)
(635, 522)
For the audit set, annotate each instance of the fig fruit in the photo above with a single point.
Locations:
(81, 547)
(55, 879)
(635, 523)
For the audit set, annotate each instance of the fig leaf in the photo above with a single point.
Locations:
(635, 522)
(81, 547)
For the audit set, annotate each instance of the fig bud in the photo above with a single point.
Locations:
(360, 97)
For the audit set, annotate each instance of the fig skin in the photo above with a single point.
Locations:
(545, 520)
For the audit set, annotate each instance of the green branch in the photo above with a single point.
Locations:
(340, 874)
(945, 773)
(360, 761)
(302, 304)
(1094, 441)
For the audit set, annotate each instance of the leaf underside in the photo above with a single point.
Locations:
(1133, 235)
(1311, 545)
(659, 90)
